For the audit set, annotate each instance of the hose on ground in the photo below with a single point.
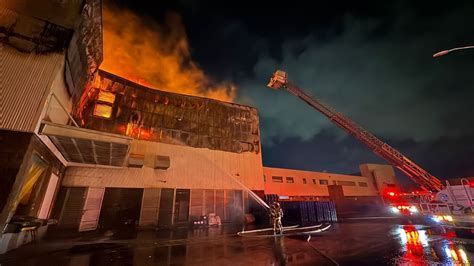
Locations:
(320, 252)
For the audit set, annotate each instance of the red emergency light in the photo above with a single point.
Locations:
(391, 193)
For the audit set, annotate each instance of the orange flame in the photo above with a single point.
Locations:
(156, 55)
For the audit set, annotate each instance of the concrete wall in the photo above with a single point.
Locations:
(197, 168)
(382, 176)
(298, 188)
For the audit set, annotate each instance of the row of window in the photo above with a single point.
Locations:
(279, 179)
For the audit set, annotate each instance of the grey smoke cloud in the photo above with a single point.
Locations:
(379, 72)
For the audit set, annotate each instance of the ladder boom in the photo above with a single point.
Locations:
(382, 149)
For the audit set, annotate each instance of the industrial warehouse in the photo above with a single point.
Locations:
(83, 145)
(192, 133)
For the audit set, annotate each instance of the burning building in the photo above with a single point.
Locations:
(185, 154)
(115, 105)
(47, 52)
(82, 147)
(77, 141)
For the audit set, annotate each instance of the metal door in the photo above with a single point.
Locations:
(165, 213)
(150, 207)
(91, 210)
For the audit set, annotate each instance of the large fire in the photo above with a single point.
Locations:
(156, 55)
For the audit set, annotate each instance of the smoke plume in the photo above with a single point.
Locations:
(156, 55)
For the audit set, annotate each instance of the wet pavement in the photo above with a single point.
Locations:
(352, 242)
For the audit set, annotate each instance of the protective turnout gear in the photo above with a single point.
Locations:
(276, 213)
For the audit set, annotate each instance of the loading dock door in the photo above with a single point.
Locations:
(165, 215)
(150, 207)
(121, 206)
(69, 207)
(181, 206)
(91, 210)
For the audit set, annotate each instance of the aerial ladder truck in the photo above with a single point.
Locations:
(451, 200)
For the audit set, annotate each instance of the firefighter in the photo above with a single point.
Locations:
(276, 213)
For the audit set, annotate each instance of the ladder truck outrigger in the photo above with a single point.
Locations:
(450, 205)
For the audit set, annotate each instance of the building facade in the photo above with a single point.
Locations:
(373, 181)
(43, 53)
(87, 149)
(83, 146)
(349, 192)
(188, 156)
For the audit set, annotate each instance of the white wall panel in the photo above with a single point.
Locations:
(190, 168)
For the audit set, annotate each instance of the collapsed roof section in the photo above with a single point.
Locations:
(116, 105)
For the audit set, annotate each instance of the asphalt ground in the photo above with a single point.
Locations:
(367, 241)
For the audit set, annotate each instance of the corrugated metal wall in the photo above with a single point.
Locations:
(165, 213)
(71, 211)
(209, 201)
(220, 202)
(25, 81)
(196, 203)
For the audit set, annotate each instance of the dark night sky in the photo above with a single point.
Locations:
(370, 60)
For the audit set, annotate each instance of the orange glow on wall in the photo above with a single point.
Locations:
(144, 134)
(106, 96)
(155, 55)
(135, 131)
(103, 110)
(122, 129)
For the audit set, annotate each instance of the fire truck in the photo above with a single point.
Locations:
(449, 205)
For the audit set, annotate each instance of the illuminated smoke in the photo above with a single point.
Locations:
(156, 55)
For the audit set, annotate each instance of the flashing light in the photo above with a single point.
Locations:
(463, 255)
(435, 219)
(448, 252)
(454, 255)
(399, 208)
(422, 238)
(448, 218)
(410, 208)
(412, 235)
(391, 194)
(403, 236)
(449, 234)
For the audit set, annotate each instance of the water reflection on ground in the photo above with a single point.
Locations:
(362, 242)
(423, 245)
